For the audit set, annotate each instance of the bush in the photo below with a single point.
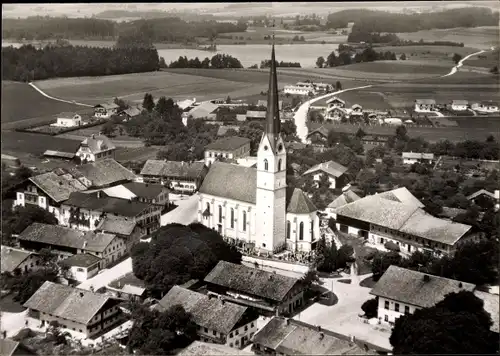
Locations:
(370, 307)
(391, 246)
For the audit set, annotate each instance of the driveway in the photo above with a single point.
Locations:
(108, 275)
(185, 213)
(12, 322)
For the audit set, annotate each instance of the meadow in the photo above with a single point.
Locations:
(20, 142)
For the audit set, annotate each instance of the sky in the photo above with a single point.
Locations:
(235, 9)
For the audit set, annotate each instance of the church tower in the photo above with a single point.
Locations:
(271, 174)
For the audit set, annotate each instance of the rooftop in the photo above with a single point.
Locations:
(335, 99)
(98, 144)
(8, 347)
(64, 236)
(57, 187)
(80, 260)
(158, 168)
(105, 172)
(343, 199)
(66, 115)
(418, 155)
(13, 257)
(426, 101)
(59, 154)
(298, 202)
(223, 129)
(331, 167)
(402, 195)
(290, 337)
(62, 301)
(145, 190)
(321, 130)
(481, 192)
(132, 112)
(129, 284)
(256, 114)
(228, 143)
(198, 348)
(251, 281)
(459, 102)
(208, 312)
(119, 225)
(410, 287)
(203, 110)
(107, 106)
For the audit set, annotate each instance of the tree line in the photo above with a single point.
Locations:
(219, 61)
(267, 64)
(28, 63)
(348, 56)
(167, 29)
(371, 21)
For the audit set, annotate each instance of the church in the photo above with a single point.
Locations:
(254, 204)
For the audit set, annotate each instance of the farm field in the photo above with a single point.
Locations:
(127, 154)
(428, 52)
(485, 60)
(463, 77)
(368, 99)
(20, 142)
(17, 105)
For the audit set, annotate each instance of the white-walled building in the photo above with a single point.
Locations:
(182, 176)
(334, 171)
(459, 105)
(68, 119)
(106, 110)
(417, 157)
(19, 260)
(81, 267)
(233, 147)
(425, 105)
(485, 107)
(300, 89)
(95, 148)
(401, 291)
(254, 204)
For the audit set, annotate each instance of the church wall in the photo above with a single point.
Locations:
(295, 219)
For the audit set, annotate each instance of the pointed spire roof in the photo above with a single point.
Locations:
(272, 115)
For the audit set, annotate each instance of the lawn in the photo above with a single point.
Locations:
(14, 142)
(139, 154)
(7, 304)
(23, 104)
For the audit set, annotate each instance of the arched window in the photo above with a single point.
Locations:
(279, 165)
(312, 230)
(301, 231)
(220, 214)
(232, 218)
(244, 221)
(288, 229)
(208, 207)
(266, 165)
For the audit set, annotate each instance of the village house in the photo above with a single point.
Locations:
(335, 173)
(425, 105)
(459, 105)
(80, 267)
(318, 136)
(375, 140)
(75, 309)
(103, 173)
(199, 348)
(15, 260)
(186, 103)
(105, 111)
(283, 336)
(401, 291)
(270, 293)
(185, 177)
(397, 216)
(485, 107)
(48, 190)
(127, 287)
(85, 211)
(255, 115)
(219, 321)
(130, 113)
(151, 193)
(65, 242)
(356, 110)
(335, 102)
(224, 129)
(300, 88)
(68, 119)
(205, 110)
(417, 157)
(346, 197)
(336, 113)
(96, 148)
(10, 347)
(233, 147)
(123, 227)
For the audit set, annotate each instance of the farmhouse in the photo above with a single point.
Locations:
(425, 105)
(80, 267)
(84, 211)
(268, 292)
(417, 157)
(105, 111)
(485, 107)
(18, 260)
(335, 102)
(336, 113)
(185, 177)
(96, 148)
(74, 309)
(103, 173)
(66, 242)
(283, 336)
(123, 227)
(335, 173)
(127, 287)
(356, 110)
(219, 321)
(319, 135)
(48, 190)
(300, 89)
(459, 105)
(397, 216)
(206, 110)
(68, 119)
(199, 348)
(228, 147)
(130, 113)
(150, 193)
(346, 197)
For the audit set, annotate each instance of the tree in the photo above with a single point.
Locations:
(360, 133)
(17, 220)
(148, 102)
(456, 58)
(26, 285)
(494, 70)
(456, 325)
(381, 262)
(402, 133)
(310, 277)
(108, 129)
(331, 60)
(122, 105)
(228, 100)
(320, 62)
(402, 57)
(338, 86)
(370, 307)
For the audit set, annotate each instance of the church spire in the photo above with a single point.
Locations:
(272, 115)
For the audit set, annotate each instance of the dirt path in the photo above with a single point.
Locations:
(57, 99)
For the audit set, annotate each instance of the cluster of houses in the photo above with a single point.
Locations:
(307, 88)
(430, 105)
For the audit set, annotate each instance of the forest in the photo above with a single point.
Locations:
(28, 63)
(370, 21)
(219, 61)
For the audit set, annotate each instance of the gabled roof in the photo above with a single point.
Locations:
(13, 257)
(98, 144)
(120, 225)
(106, 172)
(57, 187)
(145, 190)
(198, 348)
(289, 337)
(331, 167)
(408, 286)
(355, 106)
(425, 101)
(223, 129)
(129, 284)
(132, 112)
(118, 191)
(335, 99)
(80, 260)
(251, 281)
(298, 203)
(418, 155)
(459, 102)
(256, 114)
(208, 312)
(402, 195)
(321, 130)
(158, 168)
(59, 154)
(56, 235)
(107, 106)
(228, 143)
(67, 115)
(481, 192)
(203, 110)
(62, 301)
(343, 199)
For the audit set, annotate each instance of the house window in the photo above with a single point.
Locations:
(231, 335)
(396, 307)
(386, 318)
(246, 327)
(232, 218)
(214, 332)
(288, 229)
(236, 332)
(266, 165)
(312, 230)
(279, 165)
(231, 345)
(301, 231)
(407, 309)
(220, 213)
(386, 305)
(206, 330)
(244, 221)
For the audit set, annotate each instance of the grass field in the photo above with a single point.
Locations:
(485, 60)
(18, 105)
(126, 154)
(368, 99)
(14, 142)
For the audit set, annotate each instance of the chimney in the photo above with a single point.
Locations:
(321, 336)
(427, 278)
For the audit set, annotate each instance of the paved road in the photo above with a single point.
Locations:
(185, 213)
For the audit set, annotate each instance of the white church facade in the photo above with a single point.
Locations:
(254, 204)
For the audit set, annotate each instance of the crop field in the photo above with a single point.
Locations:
(490, 122)
(463, 77)
(258, 33)
(485, 60)
(427, 52)
(368, 99)
(14, 142)
(18, 106)
(138, 154)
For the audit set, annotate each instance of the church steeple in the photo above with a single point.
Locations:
(272, 115)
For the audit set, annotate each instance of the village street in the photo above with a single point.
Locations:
(185, 212)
